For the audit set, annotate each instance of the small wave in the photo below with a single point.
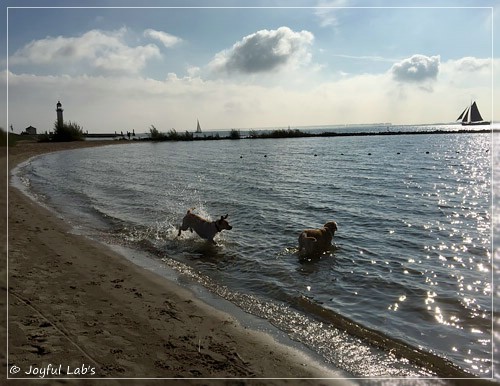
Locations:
(350, 354)
(442, 366)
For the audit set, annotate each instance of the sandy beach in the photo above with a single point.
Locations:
(76, 308)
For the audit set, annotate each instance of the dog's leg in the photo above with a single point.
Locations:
(305, 241)
(309, 244)
(183, 227)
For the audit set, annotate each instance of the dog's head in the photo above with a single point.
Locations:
(223, 224)
(331, 226)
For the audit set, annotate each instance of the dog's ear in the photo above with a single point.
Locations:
(224, 217)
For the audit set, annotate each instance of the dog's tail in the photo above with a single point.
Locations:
(306, 242)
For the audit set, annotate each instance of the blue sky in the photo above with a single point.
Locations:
(325, 62)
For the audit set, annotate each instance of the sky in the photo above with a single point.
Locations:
(120, 66)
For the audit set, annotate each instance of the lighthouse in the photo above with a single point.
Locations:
(59, 111)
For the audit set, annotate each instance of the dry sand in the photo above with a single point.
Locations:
(74, 302)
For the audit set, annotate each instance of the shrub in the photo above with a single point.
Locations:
(155, 135)
(173, 135)
(188, 136)
(235, 134)
(3, 137)
(67, 132)
(280, 133)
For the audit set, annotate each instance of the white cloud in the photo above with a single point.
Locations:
(327, 11)
(471, 64)
(418, 68)
(95, 51)
(265, 51)
(165, 38)
(364, 57)
(470, 78)
(193, 71)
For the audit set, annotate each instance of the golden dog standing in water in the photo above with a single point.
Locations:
(317, 241)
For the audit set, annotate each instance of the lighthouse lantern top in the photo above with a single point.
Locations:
(59, 106)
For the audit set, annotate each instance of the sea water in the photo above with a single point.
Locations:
(411, 261)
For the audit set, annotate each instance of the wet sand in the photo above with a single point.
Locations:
(76, 308)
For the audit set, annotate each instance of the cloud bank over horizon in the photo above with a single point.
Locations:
(270, 77)
(137, 102)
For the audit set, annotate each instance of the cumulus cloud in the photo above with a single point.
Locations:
(471, 64)
(265, 51)
(418, 68)
(165, 38)
(95, 50)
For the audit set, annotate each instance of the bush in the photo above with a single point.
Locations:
(280, 133)
(173, 135)
(235, 134)
(67, 132)
(3, 137)
(188, 136)
(155, 135)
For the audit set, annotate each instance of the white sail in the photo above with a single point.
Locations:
(198, 127)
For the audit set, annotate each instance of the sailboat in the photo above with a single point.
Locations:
(198, 127)
(471, 116)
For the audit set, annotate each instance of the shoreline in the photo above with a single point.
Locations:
(76, 302)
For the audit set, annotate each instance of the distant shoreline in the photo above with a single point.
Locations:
(364, 134)
(279, 133)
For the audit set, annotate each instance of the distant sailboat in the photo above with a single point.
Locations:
(198, 127)
(471, 116)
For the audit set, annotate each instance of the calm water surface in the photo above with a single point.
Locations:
(412, 258)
